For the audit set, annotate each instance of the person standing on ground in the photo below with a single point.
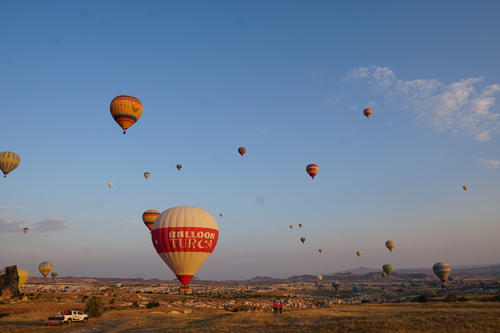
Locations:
(275, 307)
(281, 306)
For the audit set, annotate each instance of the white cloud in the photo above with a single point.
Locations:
(11, 226)
(490, 163)
(128, 223)
(51, 223)
(462, 107)
(10, 207)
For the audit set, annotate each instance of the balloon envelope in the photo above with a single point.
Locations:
(184, 237)
(312, 170)
(25, 230)
(8, 162)
(146, 175)
(23, 277)
(179, 167)
(149, 217)
(290, 226)
(320, 250)
(465, 187)
(319, 277)
(242, 150)
(442, 270)
(45, 268)
(358, 253)
(387, 269)
(300, 225)
(125, 110)
(390, 245)
(302, 239)
(53, 274)
(110, 185)
(367, 112)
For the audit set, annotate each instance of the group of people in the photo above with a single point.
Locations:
(277, 306)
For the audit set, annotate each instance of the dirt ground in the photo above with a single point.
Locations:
(407, 317)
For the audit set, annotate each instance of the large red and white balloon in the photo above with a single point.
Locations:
(184, 237)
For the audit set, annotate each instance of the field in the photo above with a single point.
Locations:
(125, 313)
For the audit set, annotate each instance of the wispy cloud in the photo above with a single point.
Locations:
(10, 207)
(128, 223)
(462, 107)
(11, 226)
(490, 163)
(51, 223)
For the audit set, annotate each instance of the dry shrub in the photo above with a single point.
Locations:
(94, 307)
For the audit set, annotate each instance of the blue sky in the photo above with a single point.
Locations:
(286, 79)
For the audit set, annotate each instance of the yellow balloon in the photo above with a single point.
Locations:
(8, 162)
(110, 185)
(23, 277)
(320, 277)
(45, 268)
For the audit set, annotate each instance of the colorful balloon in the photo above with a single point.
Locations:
(242, 150)
(387, 269)
(45, 268)
(179, 167)
(184, 237)
(290, 226)
(126, 111)
(442, 270)
(149, 217)
(26, 230)
(23, 277)
(300, 225)
(390, 245)
(53, 274)
(465, 187)
(319, 277)
(146, 175)
(8, 162)
(358, 253)
(320, 250)
(302, 239)
(367, 113)
(312, 170)
(110, 185)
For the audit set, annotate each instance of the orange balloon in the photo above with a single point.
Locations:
(242, 150)
(312, 170)
(367, 112)
(302, 239)
(126, 110)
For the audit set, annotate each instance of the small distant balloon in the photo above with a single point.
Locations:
(149, 217)
(290, 226)
(53, 274)
(126, 111)
(320, 250)
(387, 269)
(358, 253)
(8, 162)
(302, 239)
(220, 214)
(146, 175)
(45, 268)
(442, 270)
(110, 185)
(312, 170)
(26, 230)
(319, 277)
(465, 187)
(390, 245)
(300, 225)
(367, 113)
(179, 167)
(242, 150)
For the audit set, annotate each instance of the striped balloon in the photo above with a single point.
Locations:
(184, 237)
(312, 170)
(8, 162)
(45, 268)
(149, 217)
(126, 110)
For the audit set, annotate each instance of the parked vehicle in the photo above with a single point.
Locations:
(67, 316)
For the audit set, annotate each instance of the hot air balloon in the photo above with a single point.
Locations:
(290, 226)
(179, 167)
(320, 250)
(45, 268)
(149, 217)
(465, 187)
(220, 214)
(367, 112)
(312, 170)
(302, 239)
(387, 269)
(300, 225)
(390, 245)
(335, 285)
(184, 237)
(23, 277)
(126, 111)
(110, 185)
(355, 289)
(53, 274)
(26, 230)
(8, 162)
(146, 175)
(442, 271)
(242, 150)
(319, 277)
(358, 253)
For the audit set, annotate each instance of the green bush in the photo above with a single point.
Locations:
(94, 307)
(152, 304)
